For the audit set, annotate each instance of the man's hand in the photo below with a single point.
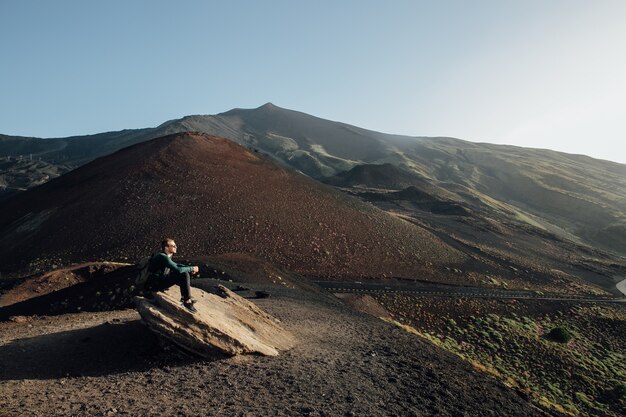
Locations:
(194, 270)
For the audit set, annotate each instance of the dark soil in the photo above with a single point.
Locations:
(345, 363)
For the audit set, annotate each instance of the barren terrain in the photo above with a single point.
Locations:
(394, 210)
(345, 363)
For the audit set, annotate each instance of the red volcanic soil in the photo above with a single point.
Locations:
(213, 197)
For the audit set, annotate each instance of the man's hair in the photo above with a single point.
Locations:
(165, 242)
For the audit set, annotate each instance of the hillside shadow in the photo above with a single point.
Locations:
(105, 349)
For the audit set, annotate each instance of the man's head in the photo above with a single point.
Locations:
(168, 246)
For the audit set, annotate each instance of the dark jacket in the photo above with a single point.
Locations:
(161, 264)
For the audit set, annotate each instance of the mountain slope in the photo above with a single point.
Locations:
(212, 196)
(573, 196)
(379, 176)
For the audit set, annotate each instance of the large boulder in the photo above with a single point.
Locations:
(224, 321)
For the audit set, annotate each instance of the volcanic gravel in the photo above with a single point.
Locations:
(344, 364)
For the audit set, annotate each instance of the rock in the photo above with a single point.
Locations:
(224, 321)
(19, 319)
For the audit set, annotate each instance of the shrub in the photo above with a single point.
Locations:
(615, 394)
(559, 335)
(619, 391)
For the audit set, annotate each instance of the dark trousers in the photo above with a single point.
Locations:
(182, 279)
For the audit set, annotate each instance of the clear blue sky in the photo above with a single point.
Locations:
(539, 73)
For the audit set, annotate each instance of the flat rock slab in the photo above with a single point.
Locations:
(224, 321)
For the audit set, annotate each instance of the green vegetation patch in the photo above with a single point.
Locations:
(559, 335)
(570, 359)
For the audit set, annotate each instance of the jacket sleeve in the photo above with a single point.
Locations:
(177, 267)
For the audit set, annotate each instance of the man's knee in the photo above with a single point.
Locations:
(184, 276)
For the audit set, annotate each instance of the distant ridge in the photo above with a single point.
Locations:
(574, 196)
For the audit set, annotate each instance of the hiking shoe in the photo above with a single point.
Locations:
(190, 307)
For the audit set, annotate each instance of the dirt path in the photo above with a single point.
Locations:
(345, 364)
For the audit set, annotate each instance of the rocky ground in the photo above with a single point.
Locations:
(345, 363)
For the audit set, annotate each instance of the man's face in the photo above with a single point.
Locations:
(170, 248)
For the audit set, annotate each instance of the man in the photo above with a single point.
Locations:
(163, 273)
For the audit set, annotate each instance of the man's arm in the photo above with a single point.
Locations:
(194, 269)
(178, 267)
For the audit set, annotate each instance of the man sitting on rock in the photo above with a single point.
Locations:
(163, 273)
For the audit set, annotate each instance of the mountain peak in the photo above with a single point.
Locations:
(269, 106)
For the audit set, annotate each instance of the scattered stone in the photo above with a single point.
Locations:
(19, 319)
